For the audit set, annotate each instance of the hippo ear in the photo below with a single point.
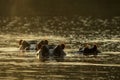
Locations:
(20, 42)
(62, 46)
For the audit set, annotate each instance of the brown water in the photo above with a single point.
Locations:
(14, 66)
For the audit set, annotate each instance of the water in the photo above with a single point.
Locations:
(14, 66)
(74, 32)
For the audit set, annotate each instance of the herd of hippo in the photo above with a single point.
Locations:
(45, 51)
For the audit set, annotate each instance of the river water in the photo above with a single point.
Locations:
(16, 66)
(26, 66)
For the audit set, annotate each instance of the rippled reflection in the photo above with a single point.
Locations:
(14, 67)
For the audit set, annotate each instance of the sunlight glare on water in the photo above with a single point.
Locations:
(25, 67)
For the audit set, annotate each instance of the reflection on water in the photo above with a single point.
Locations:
(14, 67)
(57, 29)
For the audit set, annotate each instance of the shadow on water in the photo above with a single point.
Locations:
(29, 68)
